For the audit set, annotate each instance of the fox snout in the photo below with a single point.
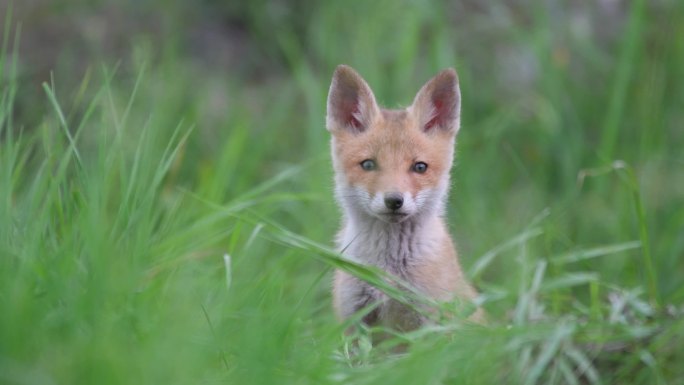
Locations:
(394, 200)
(392, 206)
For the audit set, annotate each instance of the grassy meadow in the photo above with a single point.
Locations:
(166, 211)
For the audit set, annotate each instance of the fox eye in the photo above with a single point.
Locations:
(419, 167)
(368, 165)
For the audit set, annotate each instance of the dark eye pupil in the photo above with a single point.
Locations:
(420, 167)
(368, 165)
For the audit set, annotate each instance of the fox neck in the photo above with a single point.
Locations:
(391, 246)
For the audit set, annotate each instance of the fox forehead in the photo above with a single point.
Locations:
(394, 136)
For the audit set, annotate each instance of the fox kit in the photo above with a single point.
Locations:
(391, 181)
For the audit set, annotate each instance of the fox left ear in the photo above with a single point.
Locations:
(438, 104)
(351, 104)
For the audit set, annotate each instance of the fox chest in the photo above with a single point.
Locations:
(416, 253)
(394, 250)
(397, 254)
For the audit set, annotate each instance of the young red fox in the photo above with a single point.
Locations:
(391, 181)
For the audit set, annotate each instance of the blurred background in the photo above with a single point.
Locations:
(572, 117)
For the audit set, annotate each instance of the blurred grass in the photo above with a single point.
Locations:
(126, 175)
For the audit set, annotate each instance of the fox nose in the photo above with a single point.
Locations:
(393, 201)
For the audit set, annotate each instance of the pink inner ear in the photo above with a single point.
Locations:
(438, 114)
(354, 122)
(349, 111)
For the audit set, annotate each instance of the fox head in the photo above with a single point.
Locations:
(392, 165)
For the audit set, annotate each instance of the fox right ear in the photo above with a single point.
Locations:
(438, 104)
(351, 104)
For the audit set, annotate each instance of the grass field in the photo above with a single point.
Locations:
(168, 221)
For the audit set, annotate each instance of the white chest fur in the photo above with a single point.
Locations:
(393, 247)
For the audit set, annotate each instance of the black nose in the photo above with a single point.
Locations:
(393, 201)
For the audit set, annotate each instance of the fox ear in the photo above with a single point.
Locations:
(351, 104)
(438, 104)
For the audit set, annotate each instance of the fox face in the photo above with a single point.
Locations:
(392, 165)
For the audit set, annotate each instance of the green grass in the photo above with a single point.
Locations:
(165, 223)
